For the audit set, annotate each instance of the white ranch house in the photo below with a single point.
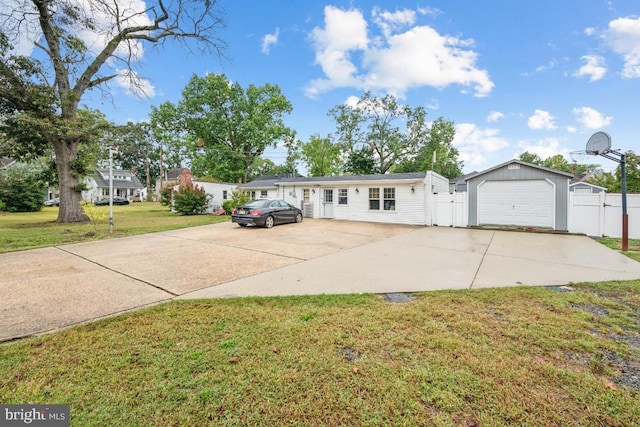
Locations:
(514, 194)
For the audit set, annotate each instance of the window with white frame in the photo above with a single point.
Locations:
(224, 194)
(389, 195)
(374, 199)
(263, 194)
(342, 196)
(252, 195)
(305, 195)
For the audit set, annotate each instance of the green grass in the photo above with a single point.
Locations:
(497, 357)
(21, 231)
(634, 246)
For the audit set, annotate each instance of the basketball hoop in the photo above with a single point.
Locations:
(581, 156)
(599, 143)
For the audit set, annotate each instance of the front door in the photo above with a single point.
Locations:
(327, 203)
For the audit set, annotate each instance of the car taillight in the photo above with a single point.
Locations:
(235, 212)
(255, 213)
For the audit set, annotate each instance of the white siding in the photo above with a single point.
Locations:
(215, 192)
(409, 205)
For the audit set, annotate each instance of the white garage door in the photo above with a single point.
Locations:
(526, 203)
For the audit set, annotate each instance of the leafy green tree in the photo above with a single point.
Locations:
(171, 139)
(558, 162)
(22, 188)
(632, 172)
(40, 102)
(532, 158)
(230, 125)
(437, 153)
(321, 156)
(393, 131)
(606, 180)
(262, 166)
(138, 152)
(361, 162)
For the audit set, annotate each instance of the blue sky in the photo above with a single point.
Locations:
(514, 76)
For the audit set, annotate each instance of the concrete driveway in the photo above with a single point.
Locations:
(52, 288)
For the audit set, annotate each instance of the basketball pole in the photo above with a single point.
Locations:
(623, 185)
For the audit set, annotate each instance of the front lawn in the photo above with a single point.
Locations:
(494, 357)
(20, 231)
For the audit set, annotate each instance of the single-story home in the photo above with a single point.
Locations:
(404, 198)
(516, 193)
(125, 184)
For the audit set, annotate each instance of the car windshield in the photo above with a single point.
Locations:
(254, 204)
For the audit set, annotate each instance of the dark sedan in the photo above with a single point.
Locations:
(116, 201)
(266, 213)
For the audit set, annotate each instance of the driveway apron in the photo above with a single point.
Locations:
(47, 289)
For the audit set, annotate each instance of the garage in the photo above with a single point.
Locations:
(519, 194)
(522, 202)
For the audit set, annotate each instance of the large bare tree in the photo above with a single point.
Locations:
(86, 44)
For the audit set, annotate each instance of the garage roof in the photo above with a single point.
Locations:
(520, 162)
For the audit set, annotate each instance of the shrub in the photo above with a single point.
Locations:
(22, 189)
(238, 198)
(166, 196)
(2, 206)
(190, 200)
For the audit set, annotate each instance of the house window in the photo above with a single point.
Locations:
(342, 196)
(252, 195)
(305, 195)
(374, 199)
(389, 199)
(224, 194)
(263, 194)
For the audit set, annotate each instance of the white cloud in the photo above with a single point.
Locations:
(590, 118)
(269, 40)
(394, 62)
(589, 31)
(494, 116)
(623, 37)
(545, 148)
(541, 120)
(594, 67)
(474, 144)
(344, 32)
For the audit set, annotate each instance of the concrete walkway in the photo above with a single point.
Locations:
(47, 289)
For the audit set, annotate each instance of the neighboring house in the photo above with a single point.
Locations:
(218, 192)
(516, 193)
(585, 187)
(404, 198)
(459, 184)
(125, 184)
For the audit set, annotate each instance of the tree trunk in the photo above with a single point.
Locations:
(68, 182)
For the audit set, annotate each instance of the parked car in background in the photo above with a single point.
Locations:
(266, 213)
(52, 202)
(116, 201)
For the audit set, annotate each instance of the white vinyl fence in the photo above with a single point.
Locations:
(450, 210)
(591, 214)
(601, 214)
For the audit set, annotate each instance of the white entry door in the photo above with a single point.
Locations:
(525, 203)
(327, 203)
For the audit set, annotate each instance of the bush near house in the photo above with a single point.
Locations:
(190, 199)
(22, 188)
(238, 198)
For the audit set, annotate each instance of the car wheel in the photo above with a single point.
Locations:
(268, 223)
(299, 217)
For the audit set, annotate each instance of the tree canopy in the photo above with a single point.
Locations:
(231, 127)
(40, 101)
